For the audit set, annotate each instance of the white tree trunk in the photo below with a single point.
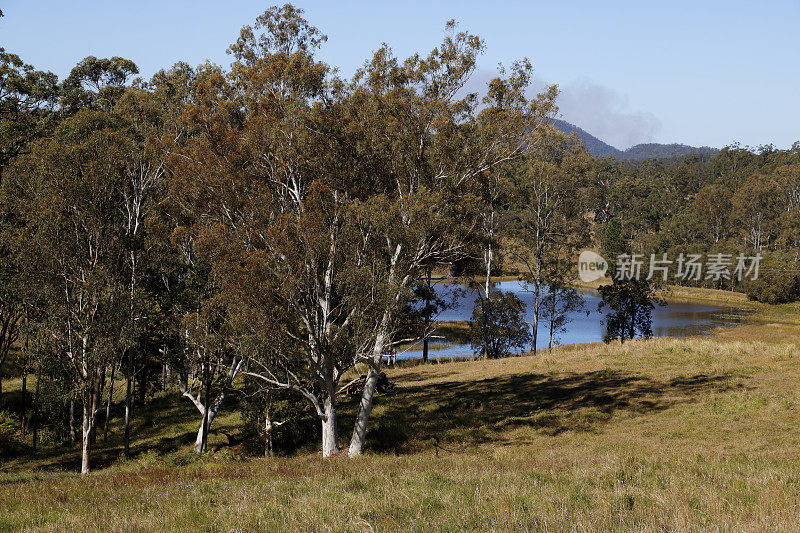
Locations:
(198, 442)
(489, 258)
(87, 440)
(91, 405)
(73, 432)
(183, 382)
(212, 413)
(268, 437)
(364, 410)
(330, 428)
(365, 405)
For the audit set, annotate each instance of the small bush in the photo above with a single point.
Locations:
(507, 330)
(184, 457)
(8, 422)
(11, 444)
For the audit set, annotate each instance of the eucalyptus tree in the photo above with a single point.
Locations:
(149, 115)
(68, 196)
(197, 182)
(756, 207)
(28, 100)
(259, 171)
(207, 352)
(433, 145)
(96, 83)
(710, 212)
(69, 190)
(337, 195)
(101, 84)
(289, 208)
(604, 174)
(296, 316)
(547, 214)
(495, 188)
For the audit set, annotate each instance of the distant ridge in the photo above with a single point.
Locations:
(665, 151)
(639, 152)
(593, 145)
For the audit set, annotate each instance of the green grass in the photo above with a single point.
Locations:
(690, 434)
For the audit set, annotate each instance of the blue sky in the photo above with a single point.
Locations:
(701, 72)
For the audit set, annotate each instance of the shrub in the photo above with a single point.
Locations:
(507, 330)
(10, 443)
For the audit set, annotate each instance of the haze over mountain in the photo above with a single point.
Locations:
(639, 152)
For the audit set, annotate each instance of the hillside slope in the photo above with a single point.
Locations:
(593, 145)
(661, 435)
(639, 152)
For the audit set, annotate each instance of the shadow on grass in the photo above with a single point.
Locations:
(166, 424)
(485, 411)
(415, 416)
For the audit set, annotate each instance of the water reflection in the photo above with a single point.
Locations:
(673, 320)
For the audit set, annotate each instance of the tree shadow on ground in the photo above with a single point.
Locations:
(148, 434)
(485, 411)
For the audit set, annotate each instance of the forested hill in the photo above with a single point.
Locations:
(664, 151)
(639, 152)
(593, 145)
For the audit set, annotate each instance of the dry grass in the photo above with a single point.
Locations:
(663, 435)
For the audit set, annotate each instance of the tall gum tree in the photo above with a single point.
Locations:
(71, 198)
(506, 100)
(262, 168)
(147, 114)
(435, 144)
(28, 99)
(199, 194)
(341, 194)
(72, 193)
(545, 218)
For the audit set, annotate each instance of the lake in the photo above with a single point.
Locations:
(673, 320)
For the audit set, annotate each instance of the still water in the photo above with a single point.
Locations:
(673, 320)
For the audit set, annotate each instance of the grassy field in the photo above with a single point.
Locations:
(690, 434)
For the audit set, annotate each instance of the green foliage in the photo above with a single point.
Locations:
(293, 423)
(27, 104)
(96, 83)
(630, 306)
(741, 200)
(778, 280)
(11, 444)
(557, 306)
(504, 315)
(8, 422)
(613, 241)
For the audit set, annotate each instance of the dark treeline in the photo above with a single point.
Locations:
(740, 201)
(266, 229)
